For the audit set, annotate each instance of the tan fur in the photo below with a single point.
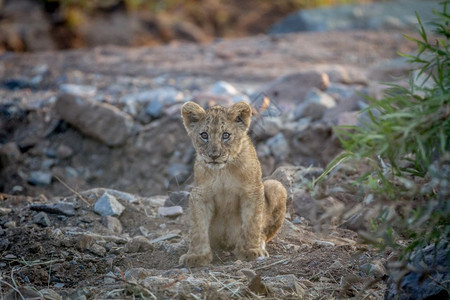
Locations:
(230, 206)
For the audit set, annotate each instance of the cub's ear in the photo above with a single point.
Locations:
(240, 113)
(191, 113)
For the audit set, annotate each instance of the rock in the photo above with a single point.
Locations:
(126, 197)
(101, 121)
(376, 269)
(266, 127)
(42, 219)
(109, 278)
(165, 95)
(9, 154)
(223, 88)
(50, 294)
(61, 208)
(324, 243)
(429, 278)
(257, 286)
(40, 178)
(113, 224)
(155, 109)
(138, 244)
(348, 118)
(288, 283)
(305, 206)
(278, 146)
(180, 198)
(356, 223)
(158, 200)
(63, 151)
(165, 237)
(137, 274)
(170, 211)
(78, 90)
(336, 265)
(97, 250)
(315, 104)
(373, 16)
(4, 211)
(10, 224)
(107, 205)
(290, 90)
(207, 100)
(23, 292)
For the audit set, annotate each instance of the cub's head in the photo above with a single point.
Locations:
(218, 133)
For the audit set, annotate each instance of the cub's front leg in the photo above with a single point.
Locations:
(250, 244)
(201, 212)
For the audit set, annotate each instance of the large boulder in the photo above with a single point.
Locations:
(101, 121)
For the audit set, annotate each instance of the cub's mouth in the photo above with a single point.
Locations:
(216, 164)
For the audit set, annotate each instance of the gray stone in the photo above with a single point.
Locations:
(155, 108)
(315, 104)
(9, 153)
(376, 269)
(180, 198)
(137, 274)
(10, 224)
(336, 265)
(101, 121)
(63, 151)
(266, 127)
(279, 146)
(113, 224)
(288, 282)
(50, 294)
(170, 211)
(107, 205)
(138, 244)
(61, 208)
(127, 197)
(165, 95)
(78, 90)
(158, 200)
(40, 178)
(429, 277)
(109, 278)
(4, 211)
(223, 88)
(324, 243)
(290, 90)
(165, 237)
(97, 250)
(42, 219)
(348, 118)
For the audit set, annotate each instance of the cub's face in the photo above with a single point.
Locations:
(217, 133)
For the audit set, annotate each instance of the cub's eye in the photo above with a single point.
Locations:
(225, 135)
(204, 136)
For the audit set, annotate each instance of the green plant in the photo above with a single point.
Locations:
(405, 139)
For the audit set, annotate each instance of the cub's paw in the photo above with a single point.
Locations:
(195, 260)
(251, 254)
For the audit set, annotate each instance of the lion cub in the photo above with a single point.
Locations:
(230, 206)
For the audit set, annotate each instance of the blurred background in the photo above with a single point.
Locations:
(36, 25)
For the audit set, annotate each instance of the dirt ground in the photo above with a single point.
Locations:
(62, 258)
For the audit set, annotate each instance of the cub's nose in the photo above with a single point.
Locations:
(215, 156)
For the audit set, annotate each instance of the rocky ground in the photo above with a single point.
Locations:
(95, 209)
